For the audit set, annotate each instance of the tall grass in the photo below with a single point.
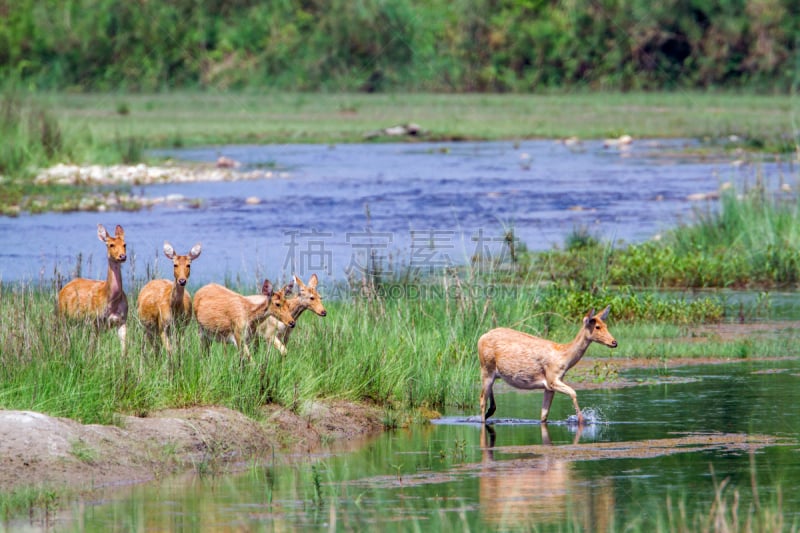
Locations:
(408, 347)
(751, 238)
(32, 136)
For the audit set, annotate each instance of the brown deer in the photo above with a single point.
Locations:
(164, 304)
(528, 362)
(103, 302)
(275, 331)
(226, 315)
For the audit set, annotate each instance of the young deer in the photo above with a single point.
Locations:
(165, 304)
(104, 302)
(528, 362)
(275, 331)
(225, 315)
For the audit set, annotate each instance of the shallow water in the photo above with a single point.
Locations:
(645, 445)
(424, 205)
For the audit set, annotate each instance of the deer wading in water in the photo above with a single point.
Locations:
(528, 362)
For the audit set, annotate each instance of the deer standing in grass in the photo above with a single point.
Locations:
(226, 315)
(277, 332)
(528, 362)
(103, 302)
(165, 305)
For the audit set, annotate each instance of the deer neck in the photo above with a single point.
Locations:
(176, 296)
(259, 312)
(296, 307)
(575, 349)
(113, 286)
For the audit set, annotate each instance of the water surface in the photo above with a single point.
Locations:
(427, 205)
(648, 444)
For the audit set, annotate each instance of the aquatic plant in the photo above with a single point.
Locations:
(751, 239)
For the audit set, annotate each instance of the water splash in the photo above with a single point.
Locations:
(591, 417)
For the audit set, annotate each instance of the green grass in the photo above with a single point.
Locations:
(42, 129)
(40, 503)
(750, 239)
(402, 352)
(192, 118)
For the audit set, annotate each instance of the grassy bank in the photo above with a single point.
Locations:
(43, 129)
(749, 240)
(192, 118)
(404, 351)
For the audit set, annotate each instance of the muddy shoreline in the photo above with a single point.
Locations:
(61, 454)
(38, 450)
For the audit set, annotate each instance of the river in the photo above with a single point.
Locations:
(329, 209)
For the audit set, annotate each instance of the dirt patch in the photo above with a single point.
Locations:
(694, 442)
(40, 450)
(541, 467)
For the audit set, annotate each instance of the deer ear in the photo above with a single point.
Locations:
(169, 251)
(289, 287)
(119, 232)
(266, 289)
(102, 234)
(194, 253)
(312, 281)
(588, 317)
(604, 315)
(299, 281)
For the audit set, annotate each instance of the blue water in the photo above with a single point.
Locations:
(423, 205)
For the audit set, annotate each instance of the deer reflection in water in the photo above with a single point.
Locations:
(540, 489)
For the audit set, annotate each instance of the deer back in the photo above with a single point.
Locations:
(222, 310)
(513, 353)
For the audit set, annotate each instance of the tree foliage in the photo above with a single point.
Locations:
(377, 45)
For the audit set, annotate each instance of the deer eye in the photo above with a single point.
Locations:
(597, 327)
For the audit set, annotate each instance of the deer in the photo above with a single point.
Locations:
(163, 304)
(275, 331)
(103, 302)
(223, 314)
(528, 362)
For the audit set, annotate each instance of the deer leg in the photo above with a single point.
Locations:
(122, 333)
(205, 342)
(562, 387)
(165, 340)
(240, 341)
(546, 401)
(487, 393)
(279, 345)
